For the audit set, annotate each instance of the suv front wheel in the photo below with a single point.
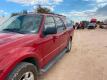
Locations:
(23, 71)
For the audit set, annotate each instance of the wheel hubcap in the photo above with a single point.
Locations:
(27, 76)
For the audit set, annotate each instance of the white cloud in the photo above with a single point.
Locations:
(27, 2)
(45, 3)
(101, 9)
(98, 3)
(3, 12)
(76, 15)
(57, 1)
(50, 7)
(33, 2)
(87, 14)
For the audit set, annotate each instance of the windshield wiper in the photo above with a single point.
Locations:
(16, 31)
(12, 30)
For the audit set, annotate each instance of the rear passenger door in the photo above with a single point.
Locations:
(61, 41)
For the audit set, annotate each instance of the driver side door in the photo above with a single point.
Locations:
(47, 47)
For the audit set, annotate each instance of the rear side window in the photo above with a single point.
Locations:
(49, 22)
(59, 24)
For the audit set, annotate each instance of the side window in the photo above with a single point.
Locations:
(49, 22)
(59, 24)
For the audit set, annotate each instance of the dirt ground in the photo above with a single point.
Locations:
(86, 61)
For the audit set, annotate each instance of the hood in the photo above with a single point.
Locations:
(11, 41)
(6, 40)
(9, 37)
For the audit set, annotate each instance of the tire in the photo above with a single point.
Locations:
(23, 71)
(83, 27)
(69, 45)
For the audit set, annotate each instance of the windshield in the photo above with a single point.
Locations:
(22, 24)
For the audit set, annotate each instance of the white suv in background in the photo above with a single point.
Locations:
(92, 25)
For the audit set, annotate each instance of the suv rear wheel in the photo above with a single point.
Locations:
(23, 71)
(69, 45)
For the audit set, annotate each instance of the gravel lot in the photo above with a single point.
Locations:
(86, 61)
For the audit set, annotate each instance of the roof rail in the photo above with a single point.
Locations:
(48, 13)
(56, 14)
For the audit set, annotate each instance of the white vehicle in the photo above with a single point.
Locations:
(104, 25)
(91, 26)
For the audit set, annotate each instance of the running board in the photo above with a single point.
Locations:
(50, 64)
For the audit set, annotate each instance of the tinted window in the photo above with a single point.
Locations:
(59, 24)
(49, 22)
(22, 24)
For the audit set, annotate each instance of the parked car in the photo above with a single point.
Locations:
(104, 25)
(92, 26)
(76, 25)
(32, 43)
(93, 20)
(85, 24)
(81, 25)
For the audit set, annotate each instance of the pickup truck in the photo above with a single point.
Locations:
(32, 43)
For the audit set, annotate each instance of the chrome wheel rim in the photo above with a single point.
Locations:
(27, 76)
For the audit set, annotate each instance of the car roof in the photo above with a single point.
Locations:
(52, 14)
(43, 14)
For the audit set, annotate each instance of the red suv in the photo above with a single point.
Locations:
(30, 44)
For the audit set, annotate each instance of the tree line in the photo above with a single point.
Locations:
(39, 9)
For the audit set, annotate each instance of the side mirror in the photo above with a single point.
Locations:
(50, 30)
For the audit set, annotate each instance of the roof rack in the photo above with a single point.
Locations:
(56, 14)
(40, 13)
(48, 13)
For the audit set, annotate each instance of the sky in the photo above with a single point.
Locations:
(76, 10)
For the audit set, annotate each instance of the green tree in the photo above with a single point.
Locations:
(18, 13)
(14, 14)
(24, 12)
(43, 9)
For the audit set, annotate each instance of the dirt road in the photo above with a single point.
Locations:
(86, 61)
